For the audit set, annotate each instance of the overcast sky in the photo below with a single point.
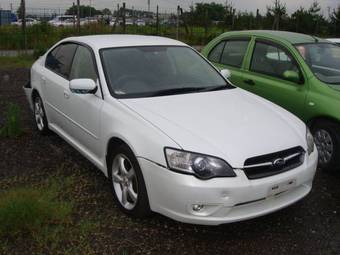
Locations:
(169, 5)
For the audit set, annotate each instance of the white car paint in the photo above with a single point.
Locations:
(63, 21)
(231, 124)
(334, 40)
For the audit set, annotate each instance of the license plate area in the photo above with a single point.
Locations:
(281, 187)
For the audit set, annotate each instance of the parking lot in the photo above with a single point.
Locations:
(311, 226)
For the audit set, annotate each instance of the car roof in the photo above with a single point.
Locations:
(98, 42)
(290, 37)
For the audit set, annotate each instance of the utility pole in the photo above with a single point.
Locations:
(177, 22)
(23, 18)
(157, 21)
(124, 20)
(11, 7)
(74, 15)
(148, 5)
(78, 16)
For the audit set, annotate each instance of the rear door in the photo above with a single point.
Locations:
(55, 83)
(265, 76)
(230, 54)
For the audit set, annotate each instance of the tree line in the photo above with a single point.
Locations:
(305, 20)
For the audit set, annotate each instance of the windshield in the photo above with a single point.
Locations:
(158, 70)
(323, 59)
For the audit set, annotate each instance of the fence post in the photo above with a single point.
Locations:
(177, 23)
(78, 16)
(124, 21)
(157, 20)
(23, 24)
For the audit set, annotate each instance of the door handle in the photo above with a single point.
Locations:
(249, 82)
(66, 94)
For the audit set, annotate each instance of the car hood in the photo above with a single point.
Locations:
(231, 124)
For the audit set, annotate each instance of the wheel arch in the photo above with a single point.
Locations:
(313, 121)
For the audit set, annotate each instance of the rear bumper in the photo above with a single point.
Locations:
(28, 92)
(225, 200)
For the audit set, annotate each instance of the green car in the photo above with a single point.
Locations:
(299, 72)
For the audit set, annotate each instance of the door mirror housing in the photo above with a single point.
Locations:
(83, 86)
(292, 76)
(226, 73)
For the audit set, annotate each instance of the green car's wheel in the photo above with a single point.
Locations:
(327, 139)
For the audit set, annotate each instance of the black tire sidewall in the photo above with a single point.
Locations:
(334, 130)
(142, 208)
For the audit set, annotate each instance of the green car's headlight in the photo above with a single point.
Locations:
(200, 165)
(310, 142)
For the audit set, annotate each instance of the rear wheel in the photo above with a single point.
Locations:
(40, 115)
(127, 182)
(327, 139)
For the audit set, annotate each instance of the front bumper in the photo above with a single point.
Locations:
(225, 200)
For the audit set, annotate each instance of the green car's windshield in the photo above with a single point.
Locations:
(323, 59)
(157, 71)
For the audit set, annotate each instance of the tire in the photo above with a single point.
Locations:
(40, 115)
(327, 139)
(126, 177)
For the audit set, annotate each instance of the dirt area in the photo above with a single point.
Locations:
(312, 226)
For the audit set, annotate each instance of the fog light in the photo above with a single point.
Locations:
(197, 208)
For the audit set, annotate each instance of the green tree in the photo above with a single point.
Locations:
(335, 20)
(85, 11)
(106, 12)
(277, 12)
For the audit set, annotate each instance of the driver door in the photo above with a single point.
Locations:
(85, 109)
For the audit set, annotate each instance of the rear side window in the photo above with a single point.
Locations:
(234, 52)
(83, 66)
(60, 59)
(272, 60)
(216, 53)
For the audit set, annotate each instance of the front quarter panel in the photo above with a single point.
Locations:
(144, 139)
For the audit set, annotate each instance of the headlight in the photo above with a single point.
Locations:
(310, 142)
(202, 166)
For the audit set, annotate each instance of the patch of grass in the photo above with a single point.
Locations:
(28, 211)
(22, 61)
(41, 220)
(12, 126)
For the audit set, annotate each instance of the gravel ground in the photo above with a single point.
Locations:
(312, 226)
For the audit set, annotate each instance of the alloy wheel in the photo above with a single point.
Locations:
(125, 181)
(39, 114)
(324, 143)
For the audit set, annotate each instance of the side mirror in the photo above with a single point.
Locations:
(292, 76)
(83, 86)
(226, 73)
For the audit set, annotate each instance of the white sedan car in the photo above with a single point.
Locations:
(169, 131)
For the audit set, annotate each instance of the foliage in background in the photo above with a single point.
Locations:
(85, 11)
(199, 25)
(12, 126)
(21, 61)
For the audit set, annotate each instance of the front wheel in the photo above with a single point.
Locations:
(127, 183)
(327, 139)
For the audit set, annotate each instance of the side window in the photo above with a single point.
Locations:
(51, 59)
(234, 52)
(272, 60)
(61, 60)
(83, 66)
(215, 54)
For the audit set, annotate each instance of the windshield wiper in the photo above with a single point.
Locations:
(216, 88)
(175, 91)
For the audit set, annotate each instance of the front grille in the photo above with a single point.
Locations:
(274, 163)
